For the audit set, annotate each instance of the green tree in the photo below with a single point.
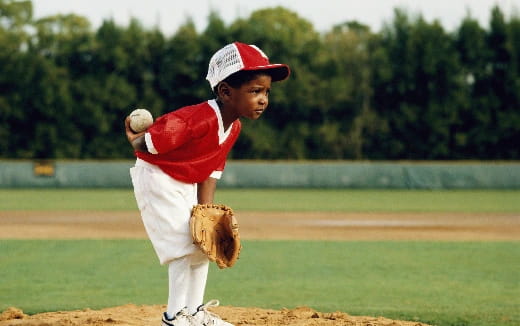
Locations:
(343, 92)
(410, 91)
(502, 92)
(470, 42)
(36, 104)
(416, 93)
(287, 38)
(15, 16)
(181, 80)
(215, 35)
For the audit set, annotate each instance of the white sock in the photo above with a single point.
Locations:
(199, 275)
(179, 280)
(187, 278)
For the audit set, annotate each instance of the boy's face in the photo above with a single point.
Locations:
(251, 99)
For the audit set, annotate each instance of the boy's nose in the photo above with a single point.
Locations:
(263, 99)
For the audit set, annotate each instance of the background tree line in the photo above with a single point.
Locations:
(409, 91)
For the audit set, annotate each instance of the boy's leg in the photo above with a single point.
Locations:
(165, 205)
(198, 277)
(179, 284)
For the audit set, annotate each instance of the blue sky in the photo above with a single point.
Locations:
(169, 14)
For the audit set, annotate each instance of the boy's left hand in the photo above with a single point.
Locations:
(214, 230)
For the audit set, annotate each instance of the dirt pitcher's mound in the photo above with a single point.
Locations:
(151, 315)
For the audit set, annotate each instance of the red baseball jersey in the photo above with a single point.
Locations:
(189, 144)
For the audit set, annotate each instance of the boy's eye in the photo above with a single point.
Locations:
(258, 91)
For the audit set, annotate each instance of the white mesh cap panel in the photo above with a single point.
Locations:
(224, 62)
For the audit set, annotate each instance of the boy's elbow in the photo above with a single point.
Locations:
(139, 144)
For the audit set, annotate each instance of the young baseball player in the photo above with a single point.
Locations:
(179, 160)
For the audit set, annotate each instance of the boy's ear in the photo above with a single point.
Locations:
(223, 90)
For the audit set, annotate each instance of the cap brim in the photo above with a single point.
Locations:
(278, 72)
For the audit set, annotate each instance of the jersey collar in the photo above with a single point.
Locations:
(222, 134)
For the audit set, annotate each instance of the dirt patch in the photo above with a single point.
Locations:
(253, 225)
(133, 315)
(273, 225)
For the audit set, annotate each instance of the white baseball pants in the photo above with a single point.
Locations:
(165, 206)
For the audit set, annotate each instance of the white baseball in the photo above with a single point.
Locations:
(140, 120)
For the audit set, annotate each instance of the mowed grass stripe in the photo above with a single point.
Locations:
(341, 200)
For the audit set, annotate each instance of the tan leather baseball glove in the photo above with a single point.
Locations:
(214, 229)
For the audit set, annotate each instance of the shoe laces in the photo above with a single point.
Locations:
(185, 314)
(208, 315)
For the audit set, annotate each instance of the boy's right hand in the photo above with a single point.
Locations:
(135, 139)
(130, 135)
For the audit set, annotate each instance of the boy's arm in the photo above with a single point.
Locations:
(206, 191)
(136, 139)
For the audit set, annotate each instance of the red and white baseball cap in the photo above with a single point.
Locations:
(239, 56)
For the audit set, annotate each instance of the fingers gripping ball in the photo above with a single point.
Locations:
(140, 120)
(214, 230)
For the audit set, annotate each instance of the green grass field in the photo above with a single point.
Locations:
(469, 283)
(279, 200)
(441, 283)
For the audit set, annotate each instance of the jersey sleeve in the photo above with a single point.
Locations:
(167, 133)
(216, 175)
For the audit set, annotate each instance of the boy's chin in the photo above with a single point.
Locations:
(255, 117)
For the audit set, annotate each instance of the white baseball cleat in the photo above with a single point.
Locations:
(182, 318)
(207, 318)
